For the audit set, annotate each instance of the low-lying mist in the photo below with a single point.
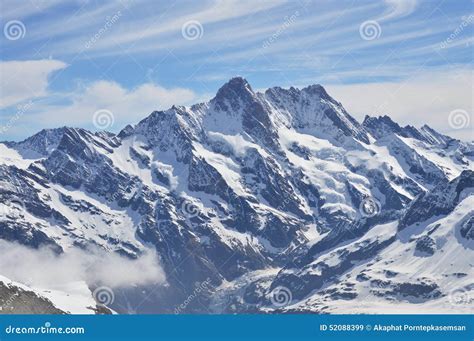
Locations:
(43, 268)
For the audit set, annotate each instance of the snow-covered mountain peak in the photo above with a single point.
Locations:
(314, 90)
(313, 111)
(127, 131)
(47, 141)
(317, 90)
(233, 95)
(435, 137)
(43, 142)
(442, 200)
(224, 190)
(235, 85)
(380, 127)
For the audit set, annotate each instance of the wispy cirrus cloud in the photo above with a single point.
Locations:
(144, 52)
(398, 9)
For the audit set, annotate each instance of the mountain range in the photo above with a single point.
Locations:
(254, 202)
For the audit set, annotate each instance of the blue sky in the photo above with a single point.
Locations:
(62, 61)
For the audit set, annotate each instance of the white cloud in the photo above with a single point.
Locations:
(213, 12)
(127, 106)
(43, 268)
(426, 98)
(23, 80)
(399, 9)
(28, 80)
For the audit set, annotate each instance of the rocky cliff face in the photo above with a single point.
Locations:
(249, 192)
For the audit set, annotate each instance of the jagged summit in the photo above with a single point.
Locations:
(44, 141)
(226, 190)
(312, 109)
(236, 82)
(127, 131)
(312, 91)
(442, 200)
(238, 109)
(48, 140)
(382, 126)
(234, 94)
(235, 87)
(436, 137)
(317, 90)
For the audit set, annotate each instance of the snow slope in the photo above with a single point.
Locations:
(250, 192)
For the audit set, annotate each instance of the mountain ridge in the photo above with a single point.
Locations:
(276, 189)
(235, 86)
